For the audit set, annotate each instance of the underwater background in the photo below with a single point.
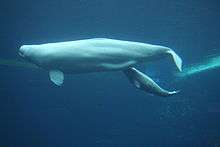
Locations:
(104, 109)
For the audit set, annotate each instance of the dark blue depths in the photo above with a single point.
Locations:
(104, 110)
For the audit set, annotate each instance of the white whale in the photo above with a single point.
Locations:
(96, 55)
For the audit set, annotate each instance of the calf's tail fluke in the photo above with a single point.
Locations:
(176, 58)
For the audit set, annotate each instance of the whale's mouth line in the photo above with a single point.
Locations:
(21, 54)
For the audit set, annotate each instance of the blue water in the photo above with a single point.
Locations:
(103, 109)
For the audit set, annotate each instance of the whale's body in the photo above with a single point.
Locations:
(92, 55)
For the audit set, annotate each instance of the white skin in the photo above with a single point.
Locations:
(91, 55)
(95, 55)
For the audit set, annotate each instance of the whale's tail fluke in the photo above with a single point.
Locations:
(176, 58)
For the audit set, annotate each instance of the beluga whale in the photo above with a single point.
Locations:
(97, 55)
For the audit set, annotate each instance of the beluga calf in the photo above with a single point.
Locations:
(99, 54)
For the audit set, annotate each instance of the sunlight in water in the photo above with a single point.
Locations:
(209, 64)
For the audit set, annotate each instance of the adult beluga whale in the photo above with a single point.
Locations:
(99, 54)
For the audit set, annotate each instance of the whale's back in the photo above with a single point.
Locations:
(99, 54)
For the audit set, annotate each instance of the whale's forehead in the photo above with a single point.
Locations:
(22, 50)
(26, 50)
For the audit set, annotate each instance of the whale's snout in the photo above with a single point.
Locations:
(27, 52)
(21, 51)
